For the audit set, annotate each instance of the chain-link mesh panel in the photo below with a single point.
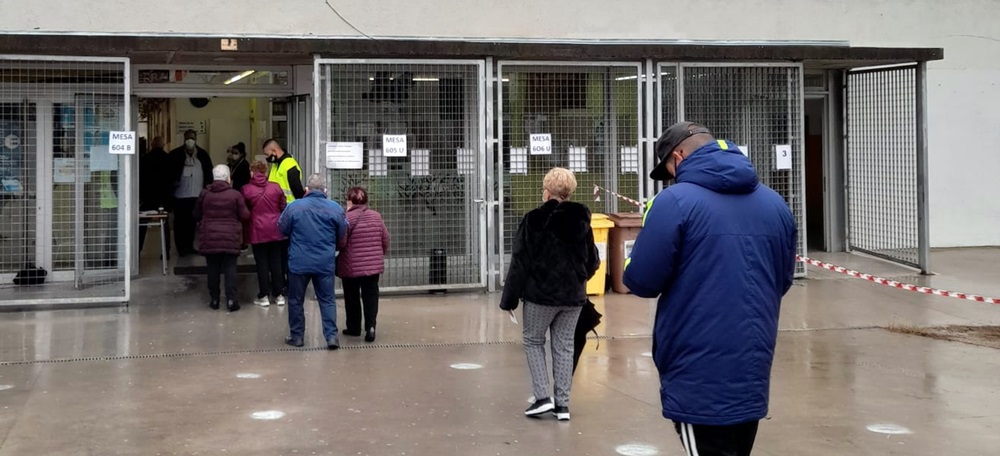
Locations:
(431, 194)
(63, 197)
(584, 118)
(759, 108)
(882, 163)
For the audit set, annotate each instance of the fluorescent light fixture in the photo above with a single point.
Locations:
(239, 77)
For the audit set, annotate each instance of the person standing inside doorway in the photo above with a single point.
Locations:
(154, 185)
(314, 225)
(192, 171)
(239, 167)
(718, 248)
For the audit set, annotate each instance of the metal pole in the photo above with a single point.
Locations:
(923, 212)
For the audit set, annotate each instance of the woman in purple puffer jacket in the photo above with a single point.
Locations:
(361, 261)
(266, 201)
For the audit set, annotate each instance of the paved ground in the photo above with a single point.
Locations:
(171, 376)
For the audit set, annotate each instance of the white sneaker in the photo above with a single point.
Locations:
(263, 302)
(280, 300)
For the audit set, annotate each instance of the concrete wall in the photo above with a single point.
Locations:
(963, 88)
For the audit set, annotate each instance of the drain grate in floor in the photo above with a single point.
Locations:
(288, 349)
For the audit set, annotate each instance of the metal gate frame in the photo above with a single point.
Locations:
(920, 164)
(797, 135)
(496, 123)
(124, 196)
(482, 159)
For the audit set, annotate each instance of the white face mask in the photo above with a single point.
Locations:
(189, 143)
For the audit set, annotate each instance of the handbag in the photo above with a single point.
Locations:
(30, 276)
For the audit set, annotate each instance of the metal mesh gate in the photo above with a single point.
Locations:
(65, 198)
(758, 106)
(582, 117)
(884, 142)
(420, 127)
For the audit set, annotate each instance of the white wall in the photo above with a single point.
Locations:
(228, 121)
(962, 89)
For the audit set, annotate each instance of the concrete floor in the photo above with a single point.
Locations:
(170, 376)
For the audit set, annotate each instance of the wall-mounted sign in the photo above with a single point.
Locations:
(541, 144)
(394, 145)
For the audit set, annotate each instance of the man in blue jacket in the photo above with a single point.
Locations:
(718, 248)
(314, 225)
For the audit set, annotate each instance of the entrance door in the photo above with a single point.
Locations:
(18, 192)
(886, 165)
(64, 196)
(413, 134)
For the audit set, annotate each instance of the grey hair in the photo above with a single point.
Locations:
(220, 173)
(316, 182)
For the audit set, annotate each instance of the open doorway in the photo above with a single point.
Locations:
(815, 143)
(220, 125)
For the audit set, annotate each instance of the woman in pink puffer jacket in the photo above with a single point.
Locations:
(361, 261)
(266, 201)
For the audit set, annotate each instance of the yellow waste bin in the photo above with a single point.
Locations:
(601, 225)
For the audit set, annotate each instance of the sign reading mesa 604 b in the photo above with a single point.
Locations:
(122, 142)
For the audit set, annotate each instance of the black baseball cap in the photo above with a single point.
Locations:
(668, 141)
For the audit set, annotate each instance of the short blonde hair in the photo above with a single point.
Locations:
(560, 182)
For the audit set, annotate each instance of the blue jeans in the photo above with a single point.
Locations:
(323, 285)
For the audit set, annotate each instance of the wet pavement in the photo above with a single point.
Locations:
(170, 376)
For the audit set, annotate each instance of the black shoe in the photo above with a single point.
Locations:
(562, 413)
(294, 342)
(352, 333)
(214, 304)
(333, 344)
(232, 305)
(370, 335)
(540, 407)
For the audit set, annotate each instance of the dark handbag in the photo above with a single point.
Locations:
(589, 319)
(30, 276)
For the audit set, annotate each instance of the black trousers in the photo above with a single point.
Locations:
(733, 440)
(284, 265)
(184, 225)
(356, 291)
(270, 272)
(218, 264)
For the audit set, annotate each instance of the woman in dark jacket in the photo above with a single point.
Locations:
(361, 261)
(553, 258)
(239, 167)
(266, 201)
(220, 212)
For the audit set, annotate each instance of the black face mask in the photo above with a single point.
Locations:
(272, 159)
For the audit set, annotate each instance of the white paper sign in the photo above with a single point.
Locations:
(345, 155)
(377, 165)
(420, 163)
(602, 250)
(122, 142)
(102, 160)
(394, 145)
(745, 150)
(629, 159)
(578, 159)
(783, 156)
(518, 160)
(541, 144)
(465, 161)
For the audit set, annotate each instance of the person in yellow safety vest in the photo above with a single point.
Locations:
(285, 171)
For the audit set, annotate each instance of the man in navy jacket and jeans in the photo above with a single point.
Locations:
(314, 225)
(718, 248)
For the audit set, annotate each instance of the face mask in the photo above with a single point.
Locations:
(272, 159)
(189, 143)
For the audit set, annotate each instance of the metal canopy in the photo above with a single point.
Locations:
(292, 51)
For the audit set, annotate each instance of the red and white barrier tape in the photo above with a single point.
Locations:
(597, 196)
(859, 275)
(895, 284)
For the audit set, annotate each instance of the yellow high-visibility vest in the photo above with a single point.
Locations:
(279, 175)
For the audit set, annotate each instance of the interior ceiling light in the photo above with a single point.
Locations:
(240, 76)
